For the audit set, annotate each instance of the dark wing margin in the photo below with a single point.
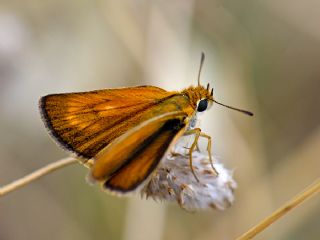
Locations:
(49, 126)
(129, 161)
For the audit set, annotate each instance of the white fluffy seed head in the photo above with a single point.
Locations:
(174, 181)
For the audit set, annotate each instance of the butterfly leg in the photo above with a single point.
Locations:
(196, 132)
(209, 151)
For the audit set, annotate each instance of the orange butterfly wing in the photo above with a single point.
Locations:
(130, 159)
(85, 123)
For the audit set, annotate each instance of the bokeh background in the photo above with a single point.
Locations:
(261, 55)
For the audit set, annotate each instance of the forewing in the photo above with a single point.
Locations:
(131, 158)
(87, 122)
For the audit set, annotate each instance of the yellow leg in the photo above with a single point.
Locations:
(209, 151)
(197, 132)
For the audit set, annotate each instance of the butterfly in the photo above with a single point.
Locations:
(126, 132)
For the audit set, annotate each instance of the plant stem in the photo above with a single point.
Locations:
(310, 191)
(19, 183)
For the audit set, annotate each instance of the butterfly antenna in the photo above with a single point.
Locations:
(233, 108)
(201, 64)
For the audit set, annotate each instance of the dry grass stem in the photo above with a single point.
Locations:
(309, 192)
(19, 183)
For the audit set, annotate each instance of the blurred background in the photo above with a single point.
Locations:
(263, 56)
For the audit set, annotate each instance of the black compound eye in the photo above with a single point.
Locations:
(202, 105)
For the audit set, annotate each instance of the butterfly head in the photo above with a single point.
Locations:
(203, 98)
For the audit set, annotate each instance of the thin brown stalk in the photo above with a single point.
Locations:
(19, 183)
(309, 192)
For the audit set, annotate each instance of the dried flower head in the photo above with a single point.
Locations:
(174, 181)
